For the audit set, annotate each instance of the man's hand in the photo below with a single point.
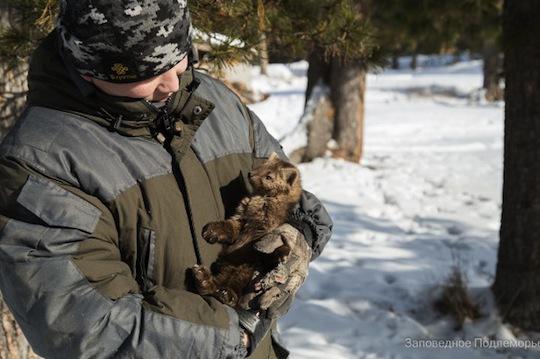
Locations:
(245, 340)
(275, 291)
(253, 329)
(273, 294)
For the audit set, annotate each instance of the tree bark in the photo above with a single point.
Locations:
(492, 69)
(395, 62)
(348, 85)
(13, 344)
(414, 61)
(13, 84)
(456, 58)
(263, 44)
(263, 55)
(13, 88)
(320, 127)
(517, 281)
(318, 70)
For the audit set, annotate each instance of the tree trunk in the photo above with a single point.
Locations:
(13, 88)
(263, 44)
(517, 283)
(395, 62)
(263, 55)
(456, 58)
(492, 70)
(13, 344)
(348, 85)
(13, 84)
(318, 70)
(321, 124)
(414, 61)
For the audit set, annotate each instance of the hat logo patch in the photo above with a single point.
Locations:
(119, 69)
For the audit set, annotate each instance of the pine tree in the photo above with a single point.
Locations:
(430, 26)
(23, 24)
(237, 31)
(337, 39)
(482, 31)
(333, 35)
(19, 34)
(227, 31)
(517, 285)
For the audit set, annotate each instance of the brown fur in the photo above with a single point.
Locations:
(277, 188)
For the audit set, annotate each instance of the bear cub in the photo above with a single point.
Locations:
(244, 258)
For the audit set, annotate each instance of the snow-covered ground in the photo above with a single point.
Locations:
(426, 197)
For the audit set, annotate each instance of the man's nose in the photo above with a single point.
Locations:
(169, 82)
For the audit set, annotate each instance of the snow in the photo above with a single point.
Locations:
(426, 198)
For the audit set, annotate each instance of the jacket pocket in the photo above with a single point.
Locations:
(52, 222)
(57, 207)
(146, 258)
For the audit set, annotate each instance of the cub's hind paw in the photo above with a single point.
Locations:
(227, 296)
(204, 280)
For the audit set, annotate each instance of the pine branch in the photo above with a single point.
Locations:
(30, 22)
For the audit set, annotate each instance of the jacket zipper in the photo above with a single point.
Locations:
(163, 112)
(182, 186)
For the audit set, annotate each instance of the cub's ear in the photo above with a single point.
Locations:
(273, 157)
(290, 175)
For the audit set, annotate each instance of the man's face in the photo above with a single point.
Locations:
(154, 89)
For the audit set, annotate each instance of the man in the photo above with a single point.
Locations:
(123, 154)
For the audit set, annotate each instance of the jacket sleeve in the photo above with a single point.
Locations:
(51, 236)
(309, 217)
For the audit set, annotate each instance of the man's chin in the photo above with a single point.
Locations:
(160, 100)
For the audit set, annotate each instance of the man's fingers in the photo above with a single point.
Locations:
(269, 243)
(274, 291)
(292, 273)
(275, 276)
(249, 301)
(275, 296)
(290, 236)
(280, 278)
(294, 282)
(270, 296)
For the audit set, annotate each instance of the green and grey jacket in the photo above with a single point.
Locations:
(99, 221)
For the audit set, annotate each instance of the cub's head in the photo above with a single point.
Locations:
(276, 177)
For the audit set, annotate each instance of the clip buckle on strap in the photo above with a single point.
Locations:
(166, 123)
(194, 83)
(117, 123)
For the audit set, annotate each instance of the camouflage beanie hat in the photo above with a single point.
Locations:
(124, 41)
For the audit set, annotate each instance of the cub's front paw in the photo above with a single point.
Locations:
(215, 232)
(204, 280)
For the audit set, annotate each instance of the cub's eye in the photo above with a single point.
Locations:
(269, 177)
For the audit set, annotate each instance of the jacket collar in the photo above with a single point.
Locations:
(54, 83)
